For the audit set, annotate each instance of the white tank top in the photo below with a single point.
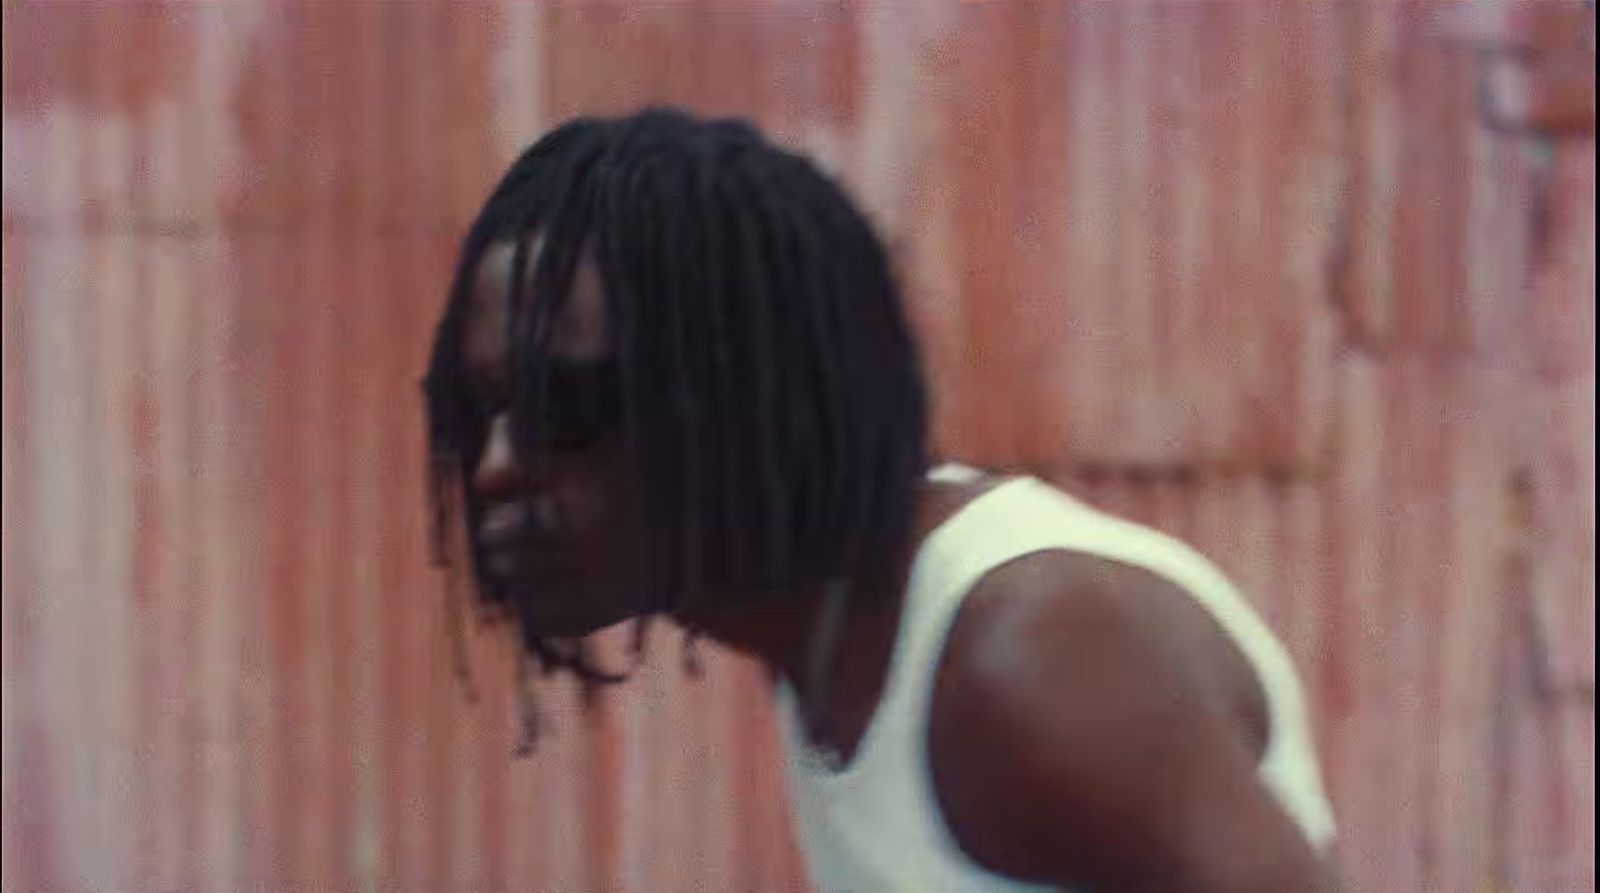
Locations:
(874, 826)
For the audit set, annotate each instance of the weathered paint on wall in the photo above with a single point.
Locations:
(1261, 275)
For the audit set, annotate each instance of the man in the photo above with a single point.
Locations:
(674, 378)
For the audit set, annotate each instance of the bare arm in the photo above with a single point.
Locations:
(1104, 760)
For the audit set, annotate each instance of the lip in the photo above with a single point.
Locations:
(512, 523)
(502, 524)
(519, 521)
(519, 547)
(515, 555)
(502, 538)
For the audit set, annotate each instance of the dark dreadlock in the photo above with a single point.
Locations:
(773, 405)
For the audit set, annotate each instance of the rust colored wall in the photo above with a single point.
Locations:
(1262, 275)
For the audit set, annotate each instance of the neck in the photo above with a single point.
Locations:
(779, 632)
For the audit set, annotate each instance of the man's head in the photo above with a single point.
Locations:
(673, 372)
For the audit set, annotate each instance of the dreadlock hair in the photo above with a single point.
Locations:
(773, 404)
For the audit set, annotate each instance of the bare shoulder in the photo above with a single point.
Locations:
(1057, 611)
(1091, 724)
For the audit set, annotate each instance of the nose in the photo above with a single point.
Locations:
(497, 476)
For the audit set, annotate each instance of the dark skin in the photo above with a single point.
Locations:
(1128, 717)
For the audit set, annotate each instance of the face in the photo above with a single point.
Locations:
(556, 523)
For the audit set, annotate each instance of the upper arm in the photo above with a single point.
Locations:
(1104, 759)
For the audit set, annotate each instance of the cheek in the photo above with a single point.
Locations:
(599, 502)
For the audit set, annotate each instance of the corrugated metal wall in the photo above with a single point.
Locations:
(1258, 274)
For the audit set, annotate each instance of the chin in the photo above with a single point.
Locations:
(582, 622)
